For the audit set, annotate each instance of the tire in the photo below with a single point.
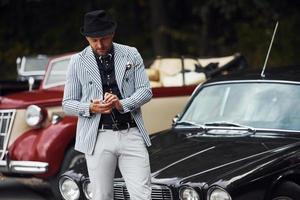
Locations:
(72, 157)
(287, 191)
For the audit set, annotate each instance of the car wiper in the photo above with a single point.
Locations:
(230, 124)
(189, 123)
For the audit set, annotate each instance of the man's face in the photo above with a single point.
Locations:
(101, 45)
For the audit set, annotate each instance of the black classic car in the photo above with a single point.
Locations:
(238, 138)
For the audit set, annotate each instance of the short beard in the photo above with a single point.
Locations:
(106, 53)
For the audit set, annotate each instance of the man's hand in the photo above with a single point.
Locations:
(111, 98)
(98, 106)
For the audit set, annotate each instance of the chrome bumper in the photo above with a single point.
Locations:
(23, 167)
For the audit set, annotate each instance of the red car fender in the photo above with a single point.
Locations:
(45, 144)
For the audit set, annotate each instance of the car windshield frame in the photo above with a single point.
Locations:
(27, 61)
(227, 83)
(49, 72)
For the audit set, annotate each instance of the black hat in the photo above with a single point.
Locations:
(98, 24)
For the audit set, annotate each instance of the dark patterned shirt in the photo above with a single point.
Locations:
(109, 84)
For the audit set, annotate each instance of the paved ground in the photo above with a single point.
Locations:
(25, 189)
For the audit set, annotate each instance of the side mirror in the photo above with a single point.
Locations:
(175, 119)
(31, 83)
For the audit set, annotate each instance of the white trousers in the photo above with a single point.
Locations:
(127, 150)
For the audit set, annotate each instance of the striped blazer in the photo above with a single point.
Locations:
(83, 83)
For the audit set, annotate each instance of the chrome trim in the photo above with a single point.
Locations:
(22, 72)
(163, 191)
(8, 129)
(23, 167)
(37, 109)
(187, 187)
(47, 74)
(60, 182)
(84, 188)
(160, 192)
(251, 81)
(211, 189)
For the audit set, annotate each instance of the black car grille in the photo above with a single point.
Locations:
(6, 121)
(158, 192)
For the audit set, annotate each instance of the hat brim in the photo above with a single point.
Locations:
(99, 33)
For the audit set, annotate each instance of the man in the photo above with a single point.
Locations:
(106, 86)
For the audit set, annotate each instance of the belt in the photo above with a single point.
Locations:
(118, 126)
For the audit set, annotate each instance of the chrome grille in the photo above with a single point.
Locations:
(158, 192)
(6, 122)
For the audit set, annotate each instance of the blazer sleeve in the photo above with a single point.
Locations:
(71, 103)
(143, 92)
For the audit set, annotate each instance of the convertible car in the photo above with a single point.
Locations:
(238, 138)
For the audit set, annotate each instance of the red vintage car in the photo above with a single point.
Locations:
(37, 138)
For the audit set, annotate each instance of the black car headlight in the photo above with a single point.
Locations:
(34, 115)
(87, 190)
(188, 193)
(69, 188)
(217, 193)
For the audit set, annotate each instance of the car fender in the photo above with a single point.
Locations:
(290, 175)
(45, 144)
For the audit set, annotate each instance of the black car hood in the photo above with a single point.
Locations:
(177, 157)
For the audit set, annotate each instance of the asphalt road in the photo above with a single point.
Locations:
(25, 189)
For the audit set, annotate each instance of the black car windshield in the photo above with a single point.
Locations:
(261, 105)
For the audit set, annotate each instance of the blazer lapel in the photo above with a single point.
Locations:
(120, 60)
(91, 66)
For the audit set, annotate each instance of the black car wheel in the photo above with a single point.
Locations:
(287, 191)
(72, 157)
